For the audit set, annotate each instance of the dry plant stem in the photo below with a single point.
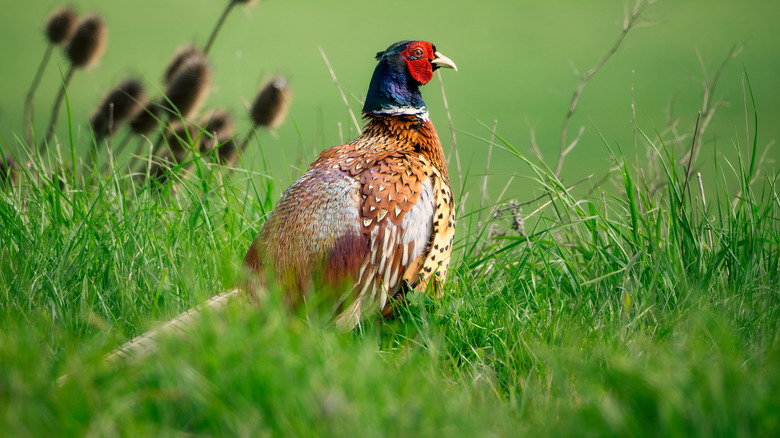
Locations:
(753, 166)
(247, 137)
(56, 109)
(494, 213)
(549, 194)
(94, 151)
(704, 207)
(155, 147)
(633, 120)
(139, 150)
(690, 163)
(709, 87)
(341, 92)
(485, 178)
(761, 162)
(452, 129)
(146, 343)
(28, 101)
(221, 21)
(628, 24)
(708, 106)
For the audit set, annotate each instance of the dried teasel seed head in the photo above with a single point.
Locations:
(188, 88)
(88, 42)
(216, 126)
(178, 59)
(60, 25)
(7, 167)
(147, 119)
(517, 221)
(271, 103)
(226, 151)
(121, 104)
(180, 138)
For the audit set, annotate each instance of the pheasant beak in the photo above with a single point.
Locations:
(443, 61)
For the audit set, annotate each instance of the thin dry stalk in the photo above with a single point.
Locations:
(84, 49)
(484, 197)
(143, 345)
(452, 130)
(216, 29)
(709, 106)
(704, 207)
(28, 101)
(341, 92)
(59, 28)
(690, 163)
(629, 22)
(221, 21)
(55, 112)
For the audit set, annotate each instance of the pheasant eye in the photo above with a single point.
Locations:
(417, 53)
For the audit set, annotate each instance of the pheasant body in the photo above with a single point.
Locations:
(373, 216)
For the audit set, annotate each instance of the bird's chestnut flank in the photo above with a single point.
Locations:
(370, 219)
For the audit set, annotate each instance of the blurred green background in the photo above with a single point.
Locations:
(516, 60)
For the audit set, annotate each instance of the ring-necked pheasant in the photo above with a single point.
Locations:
(375, 215)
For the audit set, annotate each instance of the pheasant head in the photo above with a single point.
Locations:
(402, 68)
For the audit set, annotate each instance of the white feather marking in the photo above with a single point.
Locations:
(366, 284)
(388, 272)
(405, 110)
(389, 230)
(394, 277)
(383, 302)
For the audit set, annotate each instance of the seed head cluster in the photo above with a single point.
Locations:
(187, 80)
(271, 103)
(189, 88)
(122, 103)
(60, 25)
(88, 42)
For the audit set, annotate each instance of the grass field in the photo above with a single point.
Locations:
(634, 303)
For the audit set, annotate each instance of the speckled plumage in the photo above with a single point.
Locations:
(373, 217)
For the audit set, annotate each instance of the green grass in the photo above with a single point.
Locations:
(622, 311)
(624, 305)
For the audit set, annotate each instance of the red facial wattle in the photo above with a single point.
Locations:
(418, 58)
